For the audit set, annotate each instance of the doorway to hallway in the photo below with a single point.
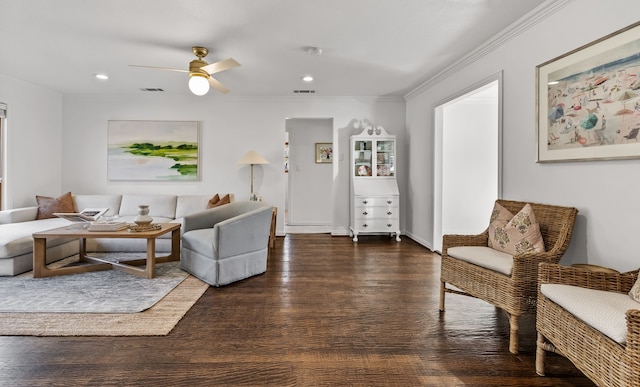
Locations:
(309, 191)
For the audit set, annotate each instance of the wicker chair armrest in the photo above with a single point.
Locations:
(529, 262)
(633, 334)
(558, 274)
(452, 240)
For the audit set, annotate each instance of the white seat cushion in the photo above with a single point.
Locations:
(602, 310)
(16, 238)
(484, 257)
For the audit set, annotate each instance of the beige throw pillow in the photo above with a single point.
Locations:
(635, 290)
(47, 205)
(500, 216)
(521, 235)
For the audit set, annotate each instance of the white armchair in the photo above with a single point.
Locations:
(227, 243)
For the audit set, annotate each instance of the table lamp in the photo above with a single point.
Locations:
(251, 158)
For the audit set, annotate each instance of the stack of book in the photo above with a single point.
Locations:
(107, 226)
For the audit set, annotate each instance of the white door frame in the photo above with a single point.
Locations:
(438, 150)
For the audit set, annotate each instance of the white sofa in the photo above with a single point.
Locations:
(18, 225)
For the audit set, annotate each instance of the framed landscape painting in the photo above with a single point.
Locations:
(152, 151)
(588, 101)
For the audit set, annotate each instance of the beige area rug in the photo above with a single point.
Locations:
(158, 320)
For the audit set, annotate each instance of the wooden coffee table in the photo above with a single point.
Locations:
(40, 268)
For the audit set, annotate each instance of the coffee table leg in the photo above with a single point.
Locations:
(39, 257)
(150, 271)
(82, 250)
(175, 245)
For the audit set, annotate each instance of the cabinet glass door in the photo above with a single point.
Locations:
(385, 158)
(362, 158)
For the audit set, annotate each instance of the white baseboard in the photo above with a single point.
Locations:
(308, 229)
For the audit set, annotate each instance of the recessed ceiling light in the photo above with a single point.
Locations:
(315, 51)
(102, 76)
(307, 78)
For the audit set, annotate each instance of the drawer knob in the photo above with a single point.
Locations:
(389, 225)
(389, 212)
(389, 201)
(365, 201)
(365, 213)
(365, 225)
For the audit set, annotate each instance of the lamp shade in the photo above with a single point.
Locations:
(252, 157)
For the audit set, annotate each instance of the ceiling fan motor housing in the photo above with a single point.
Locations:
(195, 68)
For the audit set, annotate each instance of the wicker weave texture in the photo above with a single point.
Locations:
(601, 359)
(516, 294)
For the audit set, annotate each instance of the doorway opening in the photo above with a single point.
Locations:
(3, 153)
(468, 159)
(309, 191)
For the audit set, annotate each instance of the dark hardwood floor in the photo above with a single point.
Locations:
(327, 312)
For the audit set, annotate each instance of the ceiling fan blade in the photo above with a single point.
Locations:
(222, 65)
(217, 85)
(160, 68)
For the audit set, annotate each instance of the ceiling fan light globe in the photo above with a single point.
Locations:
(198, 85)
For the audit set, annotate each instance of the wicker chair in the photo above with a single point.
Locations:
(601, 359)
(515, 294)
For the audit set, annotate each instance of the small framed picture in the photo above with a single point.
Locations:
(324, 152)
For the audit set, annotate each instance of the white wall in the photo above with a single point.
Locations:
(33, 135)
(605, 192)
(229, 126)
(310, 183)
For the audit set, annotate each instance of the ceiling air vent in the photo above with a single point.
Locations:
(304, 91)
(151, 89)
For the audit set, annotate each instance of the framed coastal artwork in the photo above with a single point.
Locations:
(152, 151)
(324, 152)
(588, 101)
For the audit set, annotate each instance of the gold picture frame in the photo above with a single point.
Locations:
(324, 152)
(588, 101)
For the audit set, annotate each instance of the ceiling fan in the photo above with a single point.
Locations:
(200, 72)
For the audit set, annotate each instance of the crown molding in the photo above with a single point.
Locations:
(521, 25)
(240, 98)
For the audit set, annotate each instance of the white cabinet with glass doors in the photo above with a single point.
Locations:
(374, 200)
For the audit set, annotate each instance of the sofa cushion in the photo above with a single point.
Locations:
(47, 206)
(112, 202)
(159, 205)
(602, 310)
(521, 235)
(484, 257)
(16, 238)
(500, 216)
(189, 204)
(635, 290)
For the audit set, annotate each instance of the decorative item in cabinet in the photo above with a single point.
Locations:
(375, 203)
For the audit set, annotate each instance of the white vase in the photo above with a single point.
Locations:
(143, 217)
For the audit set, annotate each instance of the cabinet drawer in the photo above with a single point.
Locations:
(370, 212)
(376, 225)
(375, 201)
